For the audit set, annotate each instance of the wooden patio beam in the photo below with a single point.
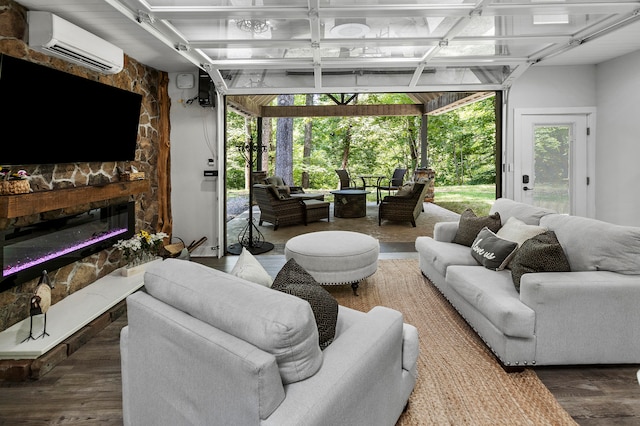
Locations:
(342, 110)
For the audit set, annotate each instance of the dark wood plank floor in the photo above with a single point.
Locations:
(85, 389)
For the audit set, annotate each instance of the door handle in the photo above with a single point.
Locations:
(526, 188)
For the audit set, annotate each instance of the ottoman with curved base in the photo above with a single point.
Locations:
(335, 257)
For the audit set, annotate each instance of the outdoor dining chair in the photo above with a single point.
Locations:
(345, 180)
(392, 184)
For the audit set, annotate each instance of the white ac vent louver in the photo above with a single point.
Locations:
(53, 35)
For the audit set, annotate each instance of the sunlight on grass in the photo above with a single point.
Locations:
(479, 198)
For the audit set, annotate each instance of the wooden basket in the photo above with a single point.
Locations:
(174, 249)
(12, 187)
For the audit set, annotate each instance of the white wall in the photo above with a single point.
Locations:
(547, 89)
(618, 148)
(193, 196)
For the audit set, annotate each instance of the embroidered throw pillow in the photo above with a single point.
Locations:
(541, 253)
(491, 251)
(294, 279)
(470, 225)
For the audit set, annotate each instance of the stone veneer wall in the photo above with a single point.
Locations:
(134, 77)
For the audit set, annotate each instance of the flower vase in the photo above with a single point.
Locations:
(138, 265)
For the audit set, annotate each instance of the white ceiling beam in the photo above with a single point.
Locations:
(556, 8)
(373, 42)
(197, 59)
(388, 11)
(366, 89)
(337, 63)
(316, 36)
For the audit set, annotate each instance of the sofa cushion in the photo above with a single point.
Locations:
(293, 279)
(492, 293)
(470, 224)
(442, 254)
(250, 269)
(541, 253)
(516, 230)
(278, 323)
(491, 251)
(594, 245)
(525, 212)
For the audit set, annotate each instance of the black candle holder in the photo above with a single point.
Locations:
(250, 236)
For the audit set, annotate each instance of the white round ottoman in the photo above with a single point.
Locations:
(335, 257)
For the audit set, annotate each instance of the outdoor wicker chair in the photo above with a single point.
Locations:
(282, 186)
(392, 184)
(403, 207)
(276, 208)
(345, 180)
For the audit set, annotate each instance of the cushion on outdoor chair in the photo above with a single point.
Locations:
(277, 192)
(282, 186)
(405, 190)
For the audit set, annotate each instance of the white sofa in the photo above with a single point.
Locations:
(204, 347)
(587, 316)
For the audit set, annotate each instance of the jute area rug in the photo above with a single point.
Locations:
(459, 380)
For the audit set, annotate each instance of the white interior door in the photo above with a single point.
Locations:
(554, 162)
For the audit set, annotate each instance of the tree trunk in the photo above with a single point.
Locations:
(346, 147)
(413, 135)
(306, 151)
(284, 143)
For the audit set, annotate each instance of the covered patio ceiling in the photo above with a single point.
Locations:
(429, 103)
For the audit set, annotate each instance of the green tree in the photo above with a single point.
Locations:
(284, 142)
(462, 144)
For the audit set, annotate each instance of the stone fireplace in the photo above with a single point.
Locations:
(53, 180)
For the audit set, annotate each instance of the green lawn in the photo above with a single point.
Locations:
(458, 198)
(454, 198)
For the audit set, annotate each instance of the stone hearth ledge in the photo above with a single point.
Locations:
(68, 316)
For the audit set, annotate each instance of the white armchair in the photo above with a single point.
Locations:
(204, 347)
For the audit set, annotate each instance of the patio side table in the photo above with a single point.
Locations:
(350, 203)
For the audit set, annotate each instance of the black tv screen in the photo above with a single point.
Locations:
(51, 117)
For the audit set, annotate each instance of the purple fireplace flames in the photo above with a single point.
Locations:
(25, 263)
(52, 244)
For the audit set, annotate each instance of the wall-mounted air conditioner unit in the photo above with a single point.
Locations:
(53, 35)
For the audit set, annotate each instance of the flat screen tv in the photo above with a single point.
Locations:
(51, 117)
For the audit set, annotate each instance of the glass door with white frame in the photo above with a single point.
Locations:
(553, 162)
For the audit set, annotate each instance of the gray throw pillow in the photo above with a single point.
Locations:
(542, 253)
(470, 225)
(491, 251)
(294, 279)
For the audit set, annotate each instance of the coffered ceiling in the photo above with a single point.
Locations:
(358, 46)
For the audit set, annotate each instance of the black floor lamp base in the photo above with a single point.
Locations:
(258, 248)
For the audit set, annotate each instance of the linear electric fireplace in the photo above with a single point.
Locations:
(51, 244)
